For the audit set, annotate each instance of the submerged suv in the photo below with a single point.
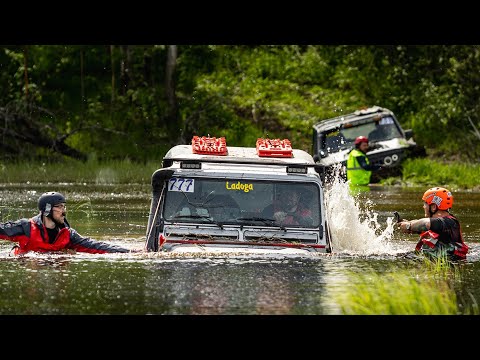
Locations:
(210, 197)
(389, 144)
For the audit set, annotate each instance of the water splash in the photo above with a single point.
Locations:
(353, 223)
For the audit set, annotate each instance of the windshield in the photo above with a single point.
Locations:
(382, 130)
(242, 202)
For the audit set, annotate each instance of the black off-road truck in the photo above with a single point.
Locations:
(389, 144)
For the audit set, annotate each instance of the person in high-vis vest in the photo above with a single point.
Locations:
(440, 232)
(359, 169)
(49, 231)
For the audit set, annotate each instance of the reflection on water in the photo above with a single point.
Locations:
(160, 283)
(144, 284)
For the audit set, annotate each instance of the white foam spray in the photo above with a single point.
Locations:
(353, 223)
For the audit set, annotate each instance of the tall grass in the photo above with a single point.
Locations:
(424, 289)
(90, 172)
(438, 264)
(397, 293)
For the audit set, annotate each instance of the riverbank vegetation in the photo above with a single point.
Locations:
(415, 172)
(78, 172)
(136, 101)
(430, 172)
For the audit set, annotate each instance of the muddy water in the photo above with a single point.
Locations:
(157, 283)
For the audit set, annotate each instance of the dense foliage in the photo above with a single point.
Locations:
(135, 101)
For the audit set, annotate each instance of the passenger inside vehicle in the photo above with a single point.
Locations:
(289, 208)
(385, 129)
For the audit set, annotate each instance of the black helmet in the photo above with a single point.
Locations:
(48, 200)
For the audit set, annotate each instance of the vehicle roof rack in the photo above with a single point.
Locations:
(207, 145)
(274, 148)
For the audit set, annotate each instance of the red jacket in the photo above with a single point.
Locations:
(32, 235)
(301, 216)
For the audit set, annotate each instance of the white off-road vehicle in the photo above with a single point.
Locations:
(210, 197)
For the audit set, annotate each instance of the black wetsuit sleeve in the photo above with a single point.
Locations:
(15, 228)
(86, 244)
(363, 163)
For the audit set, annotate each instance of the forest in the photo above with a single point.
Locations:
(117, 102)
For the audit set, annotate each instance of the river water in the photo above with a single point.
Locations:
(364, 240)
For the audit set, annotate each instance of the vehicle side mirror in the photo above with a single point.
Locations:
(160, 176)
(409, 133)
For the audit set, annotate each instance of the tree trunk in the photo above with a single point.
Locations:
(147, 68)
(112, 65)
(124, 69)
(25, 54)
(82, 85)
(172, 112)
(22, 129)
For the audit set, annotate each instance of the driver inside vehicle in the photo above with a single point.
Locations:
(384, 130)
(289, 209)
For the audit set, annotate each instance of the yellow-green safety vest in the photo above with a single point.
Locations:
(355, 173)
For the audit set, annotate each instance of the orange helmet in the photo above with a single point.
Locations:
(361, 139)
(442, 197)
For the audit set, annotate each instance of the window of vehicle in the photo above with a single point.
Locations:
(241, 201)
(381, 130)
(334, 141)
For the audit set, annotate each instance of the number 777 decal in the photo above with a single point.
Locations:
(181, 184)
